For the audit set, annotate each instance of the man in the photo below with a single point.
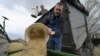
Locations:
(43, 10)
(55, 23)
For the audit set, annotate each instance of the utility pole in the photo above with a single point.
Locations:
(5, 18)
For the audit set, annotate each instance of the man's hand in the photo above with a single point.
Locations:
(50, 31)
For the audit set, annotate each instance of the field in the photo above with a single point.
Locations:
(97, 50)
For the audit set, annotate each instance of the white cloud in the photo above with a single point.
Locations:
(19, 19)
(82, 1)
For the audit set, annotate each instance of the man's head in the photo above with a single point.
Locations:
(58, 9)
(42, 7)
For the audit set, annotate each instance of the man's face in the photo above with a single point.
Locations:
(58, 10)
(42, 7)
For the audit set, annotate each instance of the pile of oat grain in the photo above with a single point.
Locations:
(36, 40)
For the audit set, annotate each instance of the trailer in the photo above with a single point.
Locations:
(95, 39)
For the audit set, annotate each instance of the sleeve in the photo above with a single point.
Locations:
(47, 21)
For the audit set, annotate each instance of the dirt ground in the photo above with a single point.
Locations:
(97, 50)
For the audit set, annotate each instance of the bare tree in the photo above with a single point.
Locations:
(95, 29)
(89, 4)
(93, 6)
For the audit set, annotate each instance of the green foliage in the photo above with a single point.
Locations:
(57, 53)
(13, 52)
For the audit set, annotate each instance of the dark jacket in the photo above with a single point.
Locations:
(42, 12)
(56, 23)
